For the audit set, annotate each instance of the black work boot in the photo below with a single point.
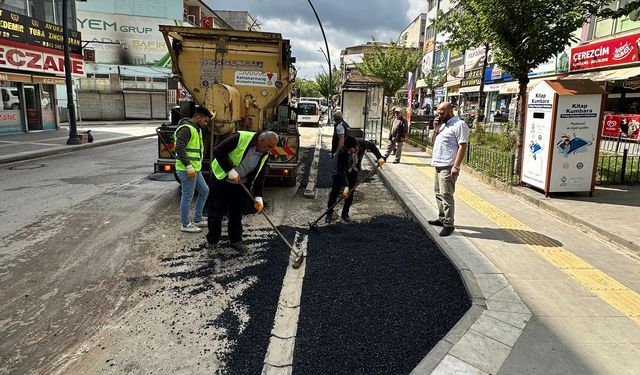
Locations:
(240, 247)
(346, 218)
(446, 231)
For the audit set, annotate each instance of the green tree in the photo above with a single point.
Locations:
(306, 87)
(527, 33)
(391, 65)
(465, 32)
(322, 82)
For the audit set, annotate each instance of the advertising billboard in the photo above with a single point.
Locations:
(123, 39)
(618, 51)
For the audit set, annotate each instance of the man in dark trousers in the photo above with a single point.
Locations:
(189, 153)
(397, 134)
(340, 132)
(345, 175)
(239, 159)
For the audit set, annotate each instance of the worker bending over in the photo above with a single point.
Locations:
(239, 159)
(345, 176)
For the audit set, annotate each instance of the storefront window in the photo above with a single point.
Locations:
(10, 115)
(42, 10)
(18, 6)
(71, 17)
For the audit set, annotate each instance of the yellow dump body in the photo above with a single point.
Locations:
(241, 75)
(244, 78)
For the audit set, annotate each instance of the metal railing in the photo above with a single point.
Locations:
(498, 165)
(617, 145)
(616, 169)
(419, 132)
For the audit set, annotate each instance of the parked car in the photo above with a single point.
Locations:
(10, 99)
(308, 113)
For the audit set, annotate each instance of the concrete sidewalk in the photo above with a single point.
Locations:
(581, 291)
(18, 147)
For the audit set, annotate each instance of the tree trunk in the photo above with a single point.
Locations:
(482, 98)
(523, 81)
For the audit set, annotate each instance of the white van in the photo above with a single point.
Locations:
(308, 113)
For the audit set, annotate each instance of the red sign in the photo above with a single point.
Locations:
(614, 124)
(207, 22)
(35, 59)
(611, 52)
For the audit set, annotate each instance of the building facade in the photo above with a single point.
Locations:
(413, 35)
(239, 20)
(32, 63)
(128, 66)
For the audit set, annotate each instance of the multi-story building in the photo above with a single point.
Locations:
(351, 56)
(609, 53)
(128, 65)
(413, 35)
(239, 20)
(32, 63)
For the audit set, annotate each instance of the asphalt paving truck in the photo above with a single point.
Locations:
(245, 79)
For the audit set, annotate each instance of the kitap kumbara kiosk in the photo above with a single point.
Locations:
(562, 136)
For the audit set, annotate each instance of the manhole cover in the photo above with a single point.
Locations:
(23, 167)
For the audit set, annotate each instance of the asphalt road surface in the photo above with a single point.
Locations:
(96, 278)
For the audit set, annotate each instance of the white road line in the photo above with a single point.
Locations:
(279, 357)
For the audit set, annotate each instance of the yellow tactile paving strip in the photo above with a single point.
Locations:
(610, 290)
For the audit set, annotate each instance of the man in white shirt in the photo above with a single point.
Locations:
(449, 148)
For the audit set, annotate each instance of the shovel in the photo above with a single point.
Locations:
(299, 255)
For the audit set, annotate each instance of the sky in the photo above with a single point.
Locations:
(346, 23)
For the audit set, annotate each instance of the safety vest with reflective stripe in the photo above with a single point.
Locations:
(194, 149)
(236, 155)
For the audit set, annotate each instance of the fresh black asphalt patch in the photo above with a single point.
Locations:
(377, 296)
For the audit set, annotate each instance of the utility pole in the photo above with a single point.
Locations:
(73, 130)
(326, 45)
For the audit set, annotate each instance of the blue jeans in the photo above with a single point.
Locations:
(189, 186)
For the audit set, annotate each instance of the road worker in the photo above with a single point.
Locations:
(239, 159)
(345, 177)
(189, 149)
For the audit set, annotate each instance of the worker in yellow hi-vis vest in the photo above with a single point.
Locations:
(189, 153)
(239, 159)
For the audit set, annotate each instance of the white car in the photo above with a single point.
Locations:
(308, 113)
(10, 99)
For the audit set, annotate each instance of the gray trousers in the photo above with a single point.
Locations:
(444, 187)
(396, 145)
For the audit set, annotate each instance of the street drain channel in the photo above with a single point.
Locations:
(24, 167)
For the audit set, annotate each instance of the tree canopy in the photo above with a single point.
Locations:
(391, 65)
(322, 82)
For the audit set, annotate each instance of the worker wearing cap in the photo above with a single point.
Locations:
(397, 134)
(189, 149)
(239, 159)
(345, 177)
(340, 132)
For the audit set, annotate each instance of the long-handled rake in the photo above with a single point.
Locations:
(299, 255)
(312, 225)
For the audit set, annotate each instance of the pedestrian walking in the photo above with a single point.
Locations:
(397, 135)
(189, 148)
(345, 177)
(340, 132)
(239, 159)
(450, 145)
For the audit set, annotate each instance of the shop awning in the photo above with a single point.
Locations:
(514, 87)
(421, 83)
(607, 75)
(470, 89)
(452, 83)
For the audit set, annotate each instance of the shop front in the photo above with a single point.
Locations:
(614, 65)
(31, 65)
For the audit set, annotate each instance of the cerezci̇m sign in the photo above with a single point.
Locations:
(36, 46)
(618, 51)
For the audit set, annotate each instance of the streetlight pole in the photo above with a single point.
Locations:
(326, 45)
(73, 131)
